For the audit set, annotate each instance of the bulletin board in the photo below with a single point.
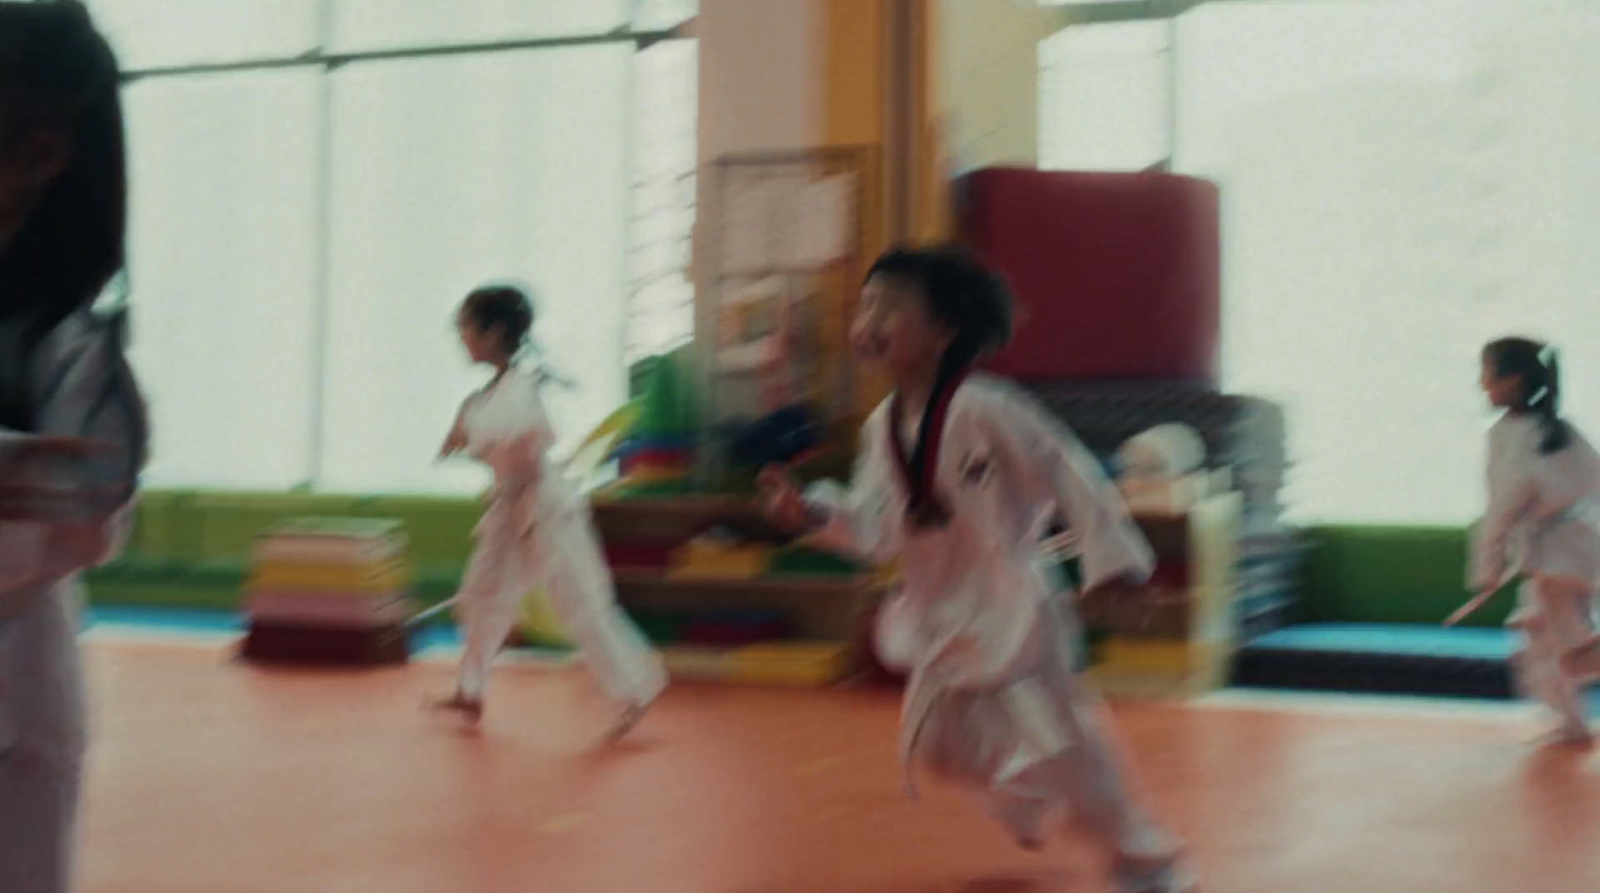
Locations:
(788, 241)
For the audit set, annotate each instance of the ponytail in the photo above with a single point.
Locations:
(544, 373)
(923, 506)
(1547, 403)
(975, 305)
(1538, 370)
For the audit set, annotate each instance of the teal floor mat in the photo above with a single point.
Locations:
(1409, 640)
(186, 623)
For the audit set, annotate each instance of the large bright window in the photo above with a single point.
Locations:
(388, 24)
(167, 33)
(1402, 180)
(224, 273)
(666, 87)
(481, 192)
(1103, 97)
(318, 183)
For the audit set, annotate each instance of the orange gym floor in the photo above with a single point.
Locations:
(215, 777)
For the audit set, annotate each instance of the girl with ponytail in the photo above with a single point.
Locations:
(1524, 377)
(1542, 523)
(536, 530)
(959, 474)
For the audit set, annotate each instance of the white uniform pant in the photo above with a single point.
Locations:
(42, 741)
(1555, 615)
(973, 737)
(581, 593)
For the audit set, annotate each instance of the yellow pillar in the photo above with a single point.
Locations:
(930, 212)
(865, 77)
(880, 90)
(878, 82)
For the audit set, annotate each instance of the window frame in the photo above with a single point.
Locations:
(329, 61)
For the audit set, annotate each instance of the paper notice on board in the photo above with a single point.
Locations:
(786, 195)
(788, 223)
(822, 221)
(746, 230)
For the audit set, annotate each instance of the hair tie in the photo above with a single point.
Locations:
(530, 350)
(919, 462)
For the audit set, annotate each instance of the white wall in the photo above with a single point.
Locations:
(760, 84)
(988, 80)
(761, 89)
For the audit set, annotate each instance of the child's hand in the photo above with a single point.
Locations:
(782, 500)
(454, 444)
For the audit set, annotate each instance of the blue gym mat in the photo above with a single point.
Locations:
(172, 620)
(1416, 659)
(1326, 657)
(185, 623)
(1410, 640)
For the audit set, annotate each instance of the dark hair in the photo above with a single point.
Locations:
(58, 74)
(1535, 364)
(960, 292)
(505, 306)
(510, 308)
(963, 294)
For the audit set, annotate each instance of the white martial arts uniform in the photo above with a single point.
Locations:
(1544, 521)
(81, 386)
(986, 633)
(536, 532)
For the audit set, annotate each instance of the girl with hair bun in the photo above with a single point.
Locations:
(536, 531)
(1543, 521)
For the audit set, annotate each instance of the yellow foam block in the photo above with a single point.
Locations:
(386, 576)
(698, 663)
(711, 561)
(798, 663)
(539, 623)
(1154, 656)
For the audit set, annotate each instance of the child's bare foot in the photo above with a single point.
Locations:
(1025, 819)
(1568, 735)
(470, 709)
(625, 723)
(1171, 877)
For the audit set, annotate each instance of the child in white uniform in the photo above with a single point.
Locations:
(536, 530)
(1543, 521)
(958, 476)
(72, 428)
